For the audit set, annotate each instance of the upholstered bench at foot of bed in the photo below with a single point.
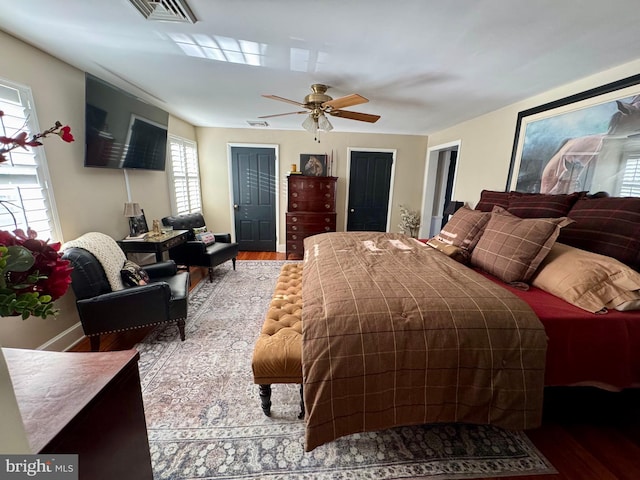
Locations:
(277, 355)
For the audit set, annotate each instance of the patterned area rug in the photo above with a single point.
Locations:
(205, 422)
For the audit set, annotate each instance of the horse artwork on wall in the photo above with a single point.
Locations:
(586, 142)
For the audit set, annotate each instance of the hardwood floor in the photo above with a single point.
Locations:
(586, 433)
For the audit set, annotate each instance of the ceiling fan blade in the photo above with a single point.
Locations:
(363, 117)
(275, 97)
(346, 101)
(283, 114)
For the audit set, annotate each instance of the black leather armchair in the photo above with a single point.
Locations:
(102, 310)
(195, 253)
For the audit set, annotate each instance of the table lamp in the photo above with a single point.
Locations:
(132, 210)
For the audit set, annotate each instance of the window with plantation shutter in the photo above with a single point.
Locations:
(631, 177)
(25, 200)
(184, 176)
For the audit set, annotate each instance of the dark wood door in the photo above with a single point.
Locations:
(369, 187)
(451, 172)
(254, 198)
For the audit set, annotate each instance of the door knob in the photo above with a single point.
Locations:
(236, 206)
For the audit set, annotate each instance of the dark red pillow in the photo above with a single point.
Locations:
(542, 205)
(491, 198)
(608, 226)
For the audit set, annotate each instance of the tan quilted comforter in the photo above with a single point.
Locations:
(397, 333)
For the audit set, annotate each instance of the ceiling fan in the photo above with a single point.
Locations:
(319, 104)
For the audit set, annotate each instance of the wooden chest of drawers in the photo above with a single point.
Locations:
(311, 210)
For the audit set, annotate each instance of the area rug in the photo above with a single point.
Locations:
(205, 422)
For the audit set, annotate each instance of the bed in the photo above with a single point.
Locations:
(399, 332)
(395, 333)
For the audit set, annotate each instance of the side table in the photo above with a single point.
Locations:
(156, 244)
(89, 404)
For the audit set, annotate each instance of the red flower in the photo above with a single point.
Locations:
(21, 139)
(49, 275)
(65, 134)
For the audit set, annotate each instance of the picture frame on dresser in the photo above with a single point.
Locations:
(584, 142)
(313, 164)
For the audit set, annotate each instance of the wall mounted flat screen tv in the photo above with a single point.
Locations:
(123, 131)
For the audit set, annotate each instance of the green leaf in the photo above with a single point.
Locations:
(19, 259)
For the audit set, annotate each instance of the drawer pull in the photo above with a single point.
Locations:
(327, 206)
(295, 237)
(327, 228)
(294, 194)
(294, 205)
(294, 219)
(293, 227)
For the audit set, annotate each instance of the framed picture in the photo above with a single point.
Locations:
(585, 142)
(313, 165)
(138, 225)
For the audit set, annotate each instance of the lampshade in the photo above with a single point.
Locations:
(452, 207)
(132, 210)
(324, 124)
(310, 124)
(317, 121)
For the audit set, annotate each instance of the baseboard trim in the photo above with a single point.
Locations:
(64, 340)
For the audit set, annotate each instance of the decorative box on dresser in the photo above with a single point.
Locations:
(311, 209)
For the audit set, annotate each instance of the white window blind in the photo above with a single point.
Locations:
(25, 200)
(631, 178)
(185, 176)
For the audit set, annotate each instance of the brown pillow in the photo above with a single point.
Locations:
(464, 228)
(512, 248)
(492, 198)
(588, 280)
(542, 205)
(608, 225)
(457, 253)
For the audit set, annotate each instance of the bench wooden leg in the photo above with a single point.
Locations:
(265, 399)
(301, 415)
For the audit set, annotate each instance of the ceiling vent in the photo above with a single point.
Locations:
(255, 123)
(165, 10)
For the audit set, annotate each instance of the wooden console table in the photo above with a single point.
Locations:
(89, 404)
(157, 244)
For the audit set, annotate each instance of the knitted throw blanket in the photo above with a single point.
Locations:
(106, 251)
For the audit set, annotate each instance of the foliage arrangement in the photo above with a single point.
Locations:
(409, 221)
(32, 272)
(32, 275)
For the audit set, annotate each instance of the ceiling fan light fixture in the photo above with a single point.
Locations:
(310, 124)
(324, 123)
